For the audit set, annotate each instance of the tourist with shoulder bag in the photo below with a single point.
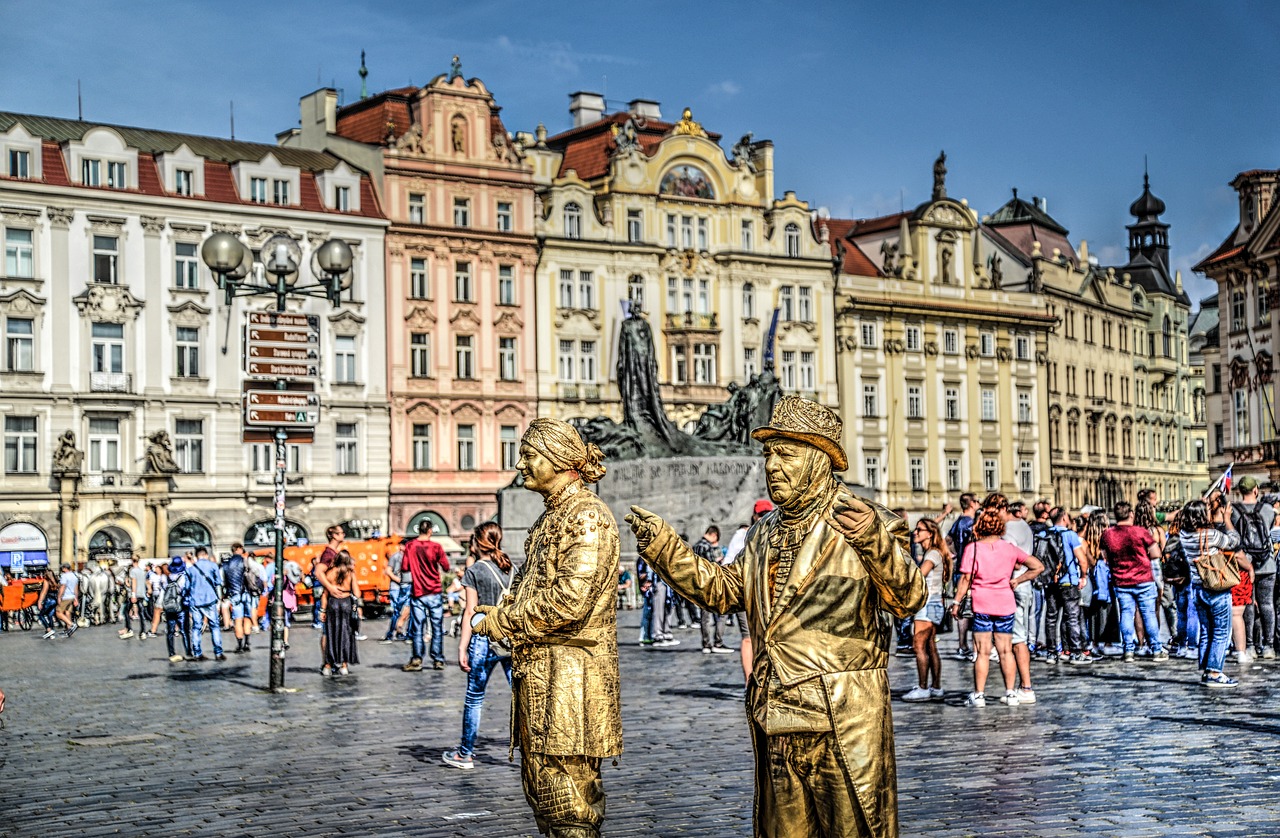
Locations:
(1214, 570)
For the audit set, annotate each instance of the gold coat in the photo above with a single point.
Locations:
(822, 648)
(561, 619)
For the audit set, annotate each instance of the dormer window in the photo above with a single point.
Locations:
(182, 180)
(116, 175)
(19, 163)
(572, 221)
(342, 198)
(258, 190)
(91, 172)
(793, 239)
(280, 191)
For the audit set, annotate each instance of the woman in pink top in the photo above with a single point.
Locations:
(986, 570)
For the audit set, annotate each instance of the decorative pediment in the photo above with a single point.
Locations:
(108, 304)
(509, 323)
(421, 316)
(21, 303)
(686, 263)
(223, 227)
(578, 321)
(258, 235)
(346, 323)
(511, 411)
(106, 223)
(317, 238)
(428, 408)
(464, 315)
(945, 213)
(798, 333)
(466, 411)
(189, 313)
(183, 230)
(20, 215)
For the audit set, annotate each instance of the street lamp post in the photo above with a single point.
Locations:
(231, 261)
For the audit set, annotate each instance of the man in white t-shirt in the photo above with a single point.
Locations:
(68, 588)
(737, 544)
(1018, 533)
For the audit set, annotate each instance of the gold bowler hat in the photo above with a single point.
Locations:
(809, 422)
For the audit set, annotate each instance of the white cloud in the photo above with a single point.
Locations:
(725, 88)
(561, 55)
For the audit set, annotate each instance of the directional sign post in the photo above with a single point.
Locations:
(281, 408)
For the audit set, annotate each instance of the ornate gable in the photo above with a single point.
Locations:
(108, 304)
(420, 316)
(464, 316)
(21, 303)
(346, 323)
(189, 314)
(508, 323)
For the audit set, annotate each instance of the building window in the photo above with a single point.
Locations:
(586, 291)
(988, 402)
(279, 191)
(342, 198)
(1237, 310)
(951, 404)
(805, 307)
(565, 361)
(680, 365)
(258, 190)
(344, 359)
(466, 448)
(635, 225)
(704, 296)
(20, 444)
(188, 445)
(788, 369)
(264, 458)
(808, 371)
(915, 470)
(987, 344)
(1166, 335)
(915, 401)
(1025, 482)
(953, 474)
(990, 475)
(704, 363)
(671, 230)
(91, 172)
(19, 253)
(750, 362)
(748, 236)
(106, 259)
(566, 289)
(464, 356)
(506, 285)
(19, 163)
(461, 212)
(507, 359)
(748, 301)
(686, 232)
(871, 472)
(702, 234)
(421, 447)
(1022, 348)
(1199, 450)
(19, 344)
(108, 347)
(1024, 406)
(509, 441)
(792, 234)
(635, 290)
(419, 287)
(867, 333)
(504, 217)
(420, 354)
(950, 342)
(572, 221)
(186, 266)
(188, 344)
(417, 209)
(913, 338)
(104, 445)
(870, 400)
(587, 361)
(462, 288)
(117, 177)
(346, 450)
(786, 302)
(1242, 434)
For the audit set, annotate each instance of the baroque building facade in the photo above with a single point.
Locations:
(942, 352)
(460, 261)
(115, 331)
(639, 214)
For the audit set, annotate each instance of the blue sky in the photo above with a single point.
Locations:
(1061, 100)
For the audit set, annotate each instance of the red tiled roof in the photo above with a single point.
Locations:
(587, 148)
(1023, 236)
(309, 193)
(148, 175)
(878, 225)
(218, 183)
(855, 261)
(366, 121)
(1224, 252)
(53, 167)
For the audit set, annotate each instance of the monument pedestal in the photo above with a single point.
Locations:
(157, 531)
(68, 513)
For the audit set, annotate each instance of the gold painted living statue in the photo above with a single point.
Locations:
(814, 579)
(560, 621)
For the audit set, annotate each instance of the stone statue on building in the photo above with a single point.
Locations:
(455, 68)
(160, 454)
(411, 140)
(626, 138)
(459, 134)
(940, 177)
(502, 148)
(995, 271)
(742, 153)
(946, 264)
(67, 460)
(889, 250)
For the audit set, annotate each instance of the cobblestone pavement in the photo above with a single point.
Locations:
(104, 736)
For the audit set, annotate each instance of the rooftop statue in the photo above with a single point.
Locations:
(67, 460)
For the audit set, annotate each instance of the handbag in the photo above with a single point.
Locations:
(1218, 570)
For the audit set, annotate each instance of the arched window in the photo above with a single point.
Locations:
(792, 232)
(572, 221)
(748, 301)
(188, 535)
(439, 527)
(1168, 337)
(263, 534)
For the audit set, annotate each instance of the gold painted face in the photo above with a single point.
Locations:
(787, 467)
(535, 468)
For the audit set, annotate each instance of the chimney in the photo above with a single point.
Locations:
(1042, 204)
(646, 108)
(585, 108)
(320, 108)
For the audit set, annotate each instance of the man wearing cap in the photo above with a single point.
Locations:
(814, 577)
(560, 621)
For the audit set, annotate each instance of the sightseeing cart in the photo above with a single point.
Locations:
(21, 600)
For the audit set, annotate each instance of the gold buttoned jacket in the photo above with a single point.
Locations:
(822, 647)
(561, 616)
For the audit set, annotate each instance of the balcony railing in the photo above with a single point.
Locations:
(110, 479)
(110, 382)
(690, 320)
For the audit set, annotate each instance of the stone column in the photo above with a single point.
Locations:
(157, 524)
(68, 515)
(62, 362)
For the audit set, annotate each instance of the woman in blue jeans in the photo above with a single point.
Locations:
(485, 582)
(1202, 532)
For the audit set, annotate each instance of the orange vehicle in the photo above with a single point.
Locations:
(20, 598)
(371, 564)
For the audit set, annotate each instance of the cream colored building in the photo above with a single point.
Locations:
(114, 330)
(635, 209)
(942, 366)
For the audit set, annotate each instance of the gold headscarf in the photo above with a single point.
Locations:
(561, 443)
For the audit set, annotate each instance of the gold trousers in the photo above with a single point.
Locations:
(806, 793)
(565, 792)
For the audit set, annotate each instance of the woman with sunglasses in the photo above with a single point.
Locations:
(935, 567)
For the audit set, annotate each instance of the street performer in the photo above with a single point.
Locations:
(814, 579)
(560, 623)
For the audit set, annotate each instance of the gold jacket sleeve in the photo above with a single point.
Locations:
(884, 545)
(706, 584)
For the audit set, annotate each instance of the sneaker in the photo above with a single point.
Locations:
(936, 694)
(457, 760)
(1189, 653)
(121, 632)
(1010, 699)
(437, 665)
(722, 650)
(975, 700)
(917, 694)
(1081, 659)
(326, 670)
(176, 659)
(125, 635)
(362, 637)
(414, 665)
(1219, 681)
(142, 636)
(200, 659)
(706, 650)
(386, 641)
(48, 635)
(1245, 657)
(994, 656)
(648, 644)
(344, 670)
(1128, 657)
(1026, 695)
(1144, 651)
(960, 654)
(220, 657)
(670, 641)
(1268, 654)
(72, 630)
(1160, 656)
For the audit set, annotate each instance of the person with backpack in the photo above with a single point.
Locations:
(1130, 550)
(1177, 575)
(1066, 572)
(243, 588)
(486, 582)
(1201, 538)
(960, 535)
(173, 604)
(1254, 521)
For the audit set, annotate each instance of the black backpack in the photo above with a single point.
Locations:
(1050, 553)
(252, 582)
(1254, 537)
(171, 601)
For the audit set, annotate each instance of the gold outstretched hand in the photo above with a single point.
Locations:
(645, 525)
